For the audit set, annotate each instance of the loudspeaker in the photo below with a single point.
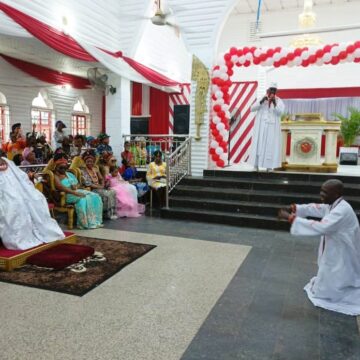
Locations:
(348, 159)
(181, 119)
(139, 125)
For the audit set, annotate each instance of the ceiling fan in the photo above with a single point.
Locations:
(98, 81)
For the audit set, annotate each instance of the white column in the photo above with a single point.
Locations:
(118, 112)
(330, 147)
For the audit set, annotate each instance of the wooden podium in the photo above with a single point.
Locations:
(305, 150)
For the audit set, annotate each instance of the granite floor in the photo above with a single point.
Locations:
(206, 292)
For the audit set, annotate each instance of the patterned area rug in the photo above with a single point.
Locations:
(110, 257)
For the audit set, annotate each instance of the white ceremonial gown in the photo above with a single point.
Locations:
(336, 286)
(265, 149)
(25, 220)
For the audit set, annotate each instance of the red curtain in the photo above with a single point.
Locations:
(136, 106)
(159, 111)
(150, 74)
(47, 34)
(67, 45)
(48, 75)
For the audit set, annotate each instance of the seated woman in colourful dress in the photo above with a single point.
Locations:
(156, 177)
(126, 195)
(88, 205)
(131, 175)
(127, 154)
(92, 178)
(25, 221)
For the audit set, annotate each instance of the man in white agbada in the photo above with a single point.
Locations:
(25, 220)
(265, 149)
(336, 286)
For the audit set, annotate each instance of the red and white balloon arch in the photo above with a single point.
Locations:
(221, 79)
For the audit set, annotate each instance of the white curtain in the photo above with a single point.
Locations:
(326, 106)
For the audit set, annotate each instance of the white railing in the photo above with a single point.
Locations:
(178, 165)
(143, 146)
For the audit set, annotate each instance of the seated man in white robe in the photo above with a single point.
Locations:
(25, 220)
(337, 284)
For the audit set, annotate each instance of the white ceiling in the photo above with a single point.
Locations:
(250, 6)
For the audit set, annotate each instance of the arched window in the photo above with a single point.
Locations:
(42, 114)
(4, 119)
(80, 122)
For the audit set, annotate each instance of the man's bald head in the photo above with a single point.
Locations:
(331, 190)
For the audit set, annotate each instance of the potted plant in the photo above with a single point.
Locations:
(349, 130)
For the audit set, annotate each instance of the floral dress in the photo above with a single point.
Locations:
(108, 196)
(154, 171)
(88, 209)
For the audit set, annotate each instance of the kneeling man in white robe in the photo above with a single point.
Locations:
(265, 151)
(25, 220)
(336, 286)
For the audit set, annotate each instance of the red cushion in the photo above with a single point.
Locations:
(61, 256)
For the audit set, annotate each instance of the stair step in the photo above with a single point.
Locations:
(274, 197)
(237, 219)
(261, 184)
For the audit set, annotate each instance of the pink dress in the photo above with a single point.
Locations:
(126, 197)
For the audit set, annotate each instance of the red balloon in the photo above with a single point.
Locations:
(212, 151)
(256, 61)
(217, 108)
(218, 138)
(343, 55)
(278, 49)
(350, 49)
(239, 53)
(230, 72)
(213, 97)
(245, 50)
(233, 51)
(227, 57)
(221, 114)
(335, 60)
(228, 83)
(327, 48)
(247, 63)
(223, 144)
(290, 56)
(262, 57)
(319, 53)
(283, 61)
(220, 163)
(270, 52)
(305, 63)
(297, 52)
(357, 44)
(215, 157)
(229, 64)
(312, 59)
(357, 60)
(253, 48)
(217, 67)
(276, 64)
(227, 102)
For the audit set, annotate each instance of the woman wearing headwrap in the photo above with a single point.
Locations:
(88, 205)
(92, 178)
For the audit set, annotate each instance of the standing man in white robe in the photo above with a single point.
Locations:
(25, 221)
(266, 140)
(336, 286)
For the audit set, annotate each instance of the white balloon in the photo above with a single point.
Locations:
(216, 73)
(305, 55)
(223, 69)
(319, 62)
(224, 76)
(224, 156)
(234, 59)
(219, 94)
(220, 126)
(219, 101)
(350, 57)
(213, 144)
(257, 52)
(216, 120)
(219, 150)
(269, 62)
(335, 51)
(357, 53)
(290, 64)
(277, 57)
(242, 59)
(343, 46)
(249, 56)
(297, 60)
(327, 57)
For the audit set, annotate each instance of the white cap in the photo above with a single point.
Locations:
(273, 85)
